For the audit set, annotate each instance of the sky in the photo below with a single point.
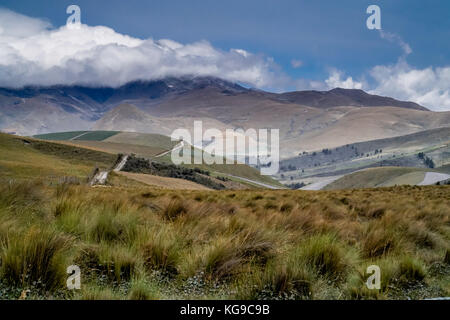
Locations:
(277, 45)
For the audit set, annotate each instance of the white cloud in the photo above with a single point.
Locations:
(335, 81)
(392, 37)
(429, 87)
(16, 25)
(32, 53)
(296, 63)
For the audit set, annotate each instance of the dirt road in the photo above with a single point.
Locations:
(101, 176)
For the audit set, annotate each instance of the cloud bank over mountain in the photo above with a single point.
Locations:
(427, 87)
(32, 52)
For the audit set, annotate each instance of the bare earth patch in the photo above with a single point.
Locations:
(164, 182)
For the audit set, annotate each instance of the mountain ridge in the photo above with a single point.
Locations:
(159, 88)
(346, 97)
(308, 120)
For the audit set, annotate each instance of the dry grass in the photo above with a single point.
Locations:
(116, 148)
(34, 258)
(163, 182)
(143, 243)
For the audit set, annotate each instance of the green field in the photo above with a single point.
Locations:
(143, 139)
(60, 136)
(77, 135)
(26, 158)
(116, 148)
(97, 135)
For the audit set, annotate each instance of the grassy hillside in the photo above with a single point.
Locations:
(139, 242)
(381, 177)
(143, 139)
(60, 135)
(141, 144)
(77, 135)
(97, 135)
(30, 158)
(411, 178)
(116, 148)
(401, 151)
(163, 182)
(146, 243)
(25, 158)
(150, 146)
(444, 169)
(237, 170)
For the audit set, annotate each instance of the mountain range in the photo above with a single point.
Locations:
(308, 120)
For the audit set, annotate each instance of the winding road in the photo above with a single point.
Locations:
(121, 163)
(101, 176)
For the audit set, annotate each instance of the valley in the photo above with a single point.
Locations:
(104, 194)
(408, 151)
(233, 154)
(308, 120)
(324, 135)
(155, 147)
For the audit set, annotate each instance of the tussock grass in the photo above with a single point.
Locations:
(105, 262)
(411, 269)
(380, 239)
(286, 278)
(17, 197)
(110, 226)
(227, 255)
(140, 289)
(37, 257)
(286, 207)
(140, 243)
(174, 209)
(326, 255)
(162, 252)
(119, 262)
(93, 292)
(222, 259)
(288, 281)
